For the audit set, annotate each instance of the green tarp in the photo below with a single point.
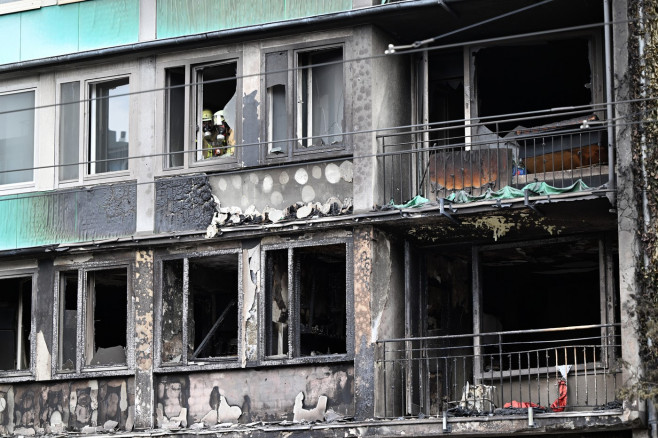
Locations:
(507, 192)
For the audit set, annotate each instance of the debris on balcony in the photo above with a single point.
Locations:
(229, 216)
(508, 192)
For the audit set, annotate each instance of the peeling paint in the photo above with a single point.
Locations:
(309, 415)
(497, 224)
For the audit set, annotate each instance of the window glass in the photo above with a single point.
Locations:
(216, 111)
(107, 310)
(69, 130)
(320, 98)
(109, 126)
(16, 137)
(68, 316)
(276, 65)
(175, 116)
(15, 323)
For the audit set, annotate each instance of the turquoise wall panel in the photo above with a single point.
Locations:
(10, 35)
(36, 219)
(177, 18)
(108, 23)
(49, 31)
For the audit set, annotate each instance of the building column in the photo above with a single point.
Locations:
(143, 308)
(364, 349)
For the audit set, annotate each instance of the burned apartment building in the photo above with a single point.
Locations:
(325, 218)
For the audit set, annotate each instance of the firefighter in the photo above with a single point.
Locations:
(207, 128)
(223, 135)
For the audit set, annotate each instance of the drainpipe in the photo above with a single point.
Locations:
(609, 106)
(653, 422)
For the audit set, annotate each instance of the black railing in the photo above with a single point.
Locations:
(489, 155)
(569, 368)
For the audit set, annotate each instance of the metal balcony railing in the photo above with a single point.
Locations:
(489, 155)
(557, 369)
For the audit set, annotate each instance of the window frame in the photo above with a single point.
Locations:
(296, 152)
(201, 363)
(191, 66)
(608, 297)
(80, 366)
(17, 89)
(95, 75)
(293, 357)
(28, 5)
(29, 372)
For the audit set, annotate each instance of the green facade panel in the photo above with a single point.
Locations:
(10, 35)
(49, 32)
(59, 30)
(176, 18)
(108, 23)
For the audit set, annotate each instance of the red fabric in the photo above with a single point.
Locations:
(561, 401)
(516, 404)
(558, 405)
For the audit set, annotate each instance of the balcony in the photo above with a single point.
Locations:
(477, 158)
(500, 374)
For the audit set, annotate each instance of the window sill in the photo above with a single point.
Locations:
(306, 360)
(95, 372)
(16, 376)
(215, 364)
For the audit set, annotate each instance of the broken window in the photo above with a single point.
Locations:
(199, 308)
(68, 321)
(320, 98)
(216, 111)
(524, 288)
(306, 307)
(532, 77)
(109, 121)
(106, 314)
(16, 137)
(15, 323)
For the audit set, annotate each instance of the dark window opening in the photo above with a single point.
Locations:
(107, 312)
(213, 307)
(446, 98)
(515, 79)
(217, 114)
(536, 287)
(15, 323)
(175, 116)
(306, 315)
(321, 272)
(68, 317)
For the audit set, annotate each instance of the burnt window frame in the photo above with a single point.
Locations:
(190, 68)
(295, 151)
(608, 296)
(81, 368)
(29, 372)
(200, 363)
(293, 356)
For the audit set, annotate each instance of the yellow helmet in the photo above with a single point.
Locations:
(206, 115)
